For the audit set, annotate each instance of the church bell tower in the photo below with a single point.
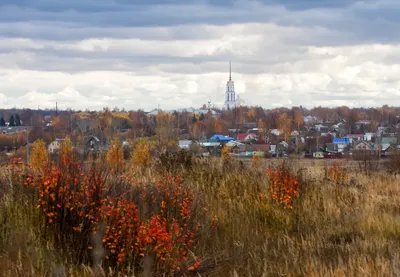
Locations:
(230, 95)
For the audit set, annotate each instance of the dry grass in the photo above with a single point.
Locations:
(333, 230)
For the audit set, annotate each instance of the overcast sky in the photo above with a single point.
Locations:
(176, 53)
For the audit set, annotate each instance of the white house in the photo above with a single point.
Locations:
(185, 144)
(275, 132)
(369, 136)
(54, 146)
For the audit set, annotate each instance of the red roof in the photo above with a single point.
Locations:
(243, 136)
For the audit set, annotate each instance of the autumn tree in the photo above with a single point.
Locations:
(38, 157)
(209, 126)
(115, 155)
(66, 153)
(298, 118)
(138, 121)
(197, 129)
(262, 128)
(252, 113)
(142, 152)
(284, 123)
(104, 123)
(165, 131)
(220, 127)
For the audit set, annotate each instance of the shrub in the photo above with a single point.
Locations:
(154, 221)
(336, 173)
(175, 162)
(225, 153)
(393, 164)
(283, 186)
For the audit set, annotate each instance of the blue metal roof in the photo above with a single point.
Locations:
(341, 141)
(221, 138)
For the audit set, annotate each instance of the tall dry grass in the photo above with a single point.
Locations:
(346, 229)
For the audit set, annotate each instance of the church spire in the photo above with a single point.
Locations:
(230, 72)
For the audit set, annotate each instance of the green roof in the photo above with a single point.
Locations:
(388, 140)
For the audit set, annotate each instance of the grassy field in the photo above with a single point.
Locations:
(342, 223)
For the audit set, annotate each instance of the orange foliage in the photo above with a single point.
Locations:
(74, 202)
(219, 127)
(284, 186)
(336, 173)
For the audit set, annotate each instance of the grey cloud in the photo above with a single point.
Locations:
(175, 53)
(348, 22)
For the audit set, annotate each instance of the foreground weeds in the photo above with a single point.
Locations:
(197, 217)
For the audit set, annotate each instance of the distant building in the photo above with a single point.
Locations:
(221, 138)
(185, 144)
(54, 146)
(246, 136)
(93, 143)
(341, 144)
(230, 94)
(355, 137)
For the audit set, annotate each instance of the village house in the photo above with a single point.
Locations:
(236, 147)
(341, 144)
(221, 138)
(369, 136)
(185, 144)
(321, 128)
(246, 137)
(363, 145)
(93, 143)
(54, 146)
(275, 132)
(355, 137)
(388, 140)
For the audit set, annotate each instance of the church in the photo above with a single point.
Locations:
(230, 94)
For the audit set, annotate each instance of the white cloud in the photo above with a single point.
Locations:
(186, 65)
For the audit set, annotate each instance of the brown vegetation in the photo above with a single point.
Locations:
(211, 220)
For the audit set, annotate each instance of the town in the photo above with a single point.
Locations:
(246, 131)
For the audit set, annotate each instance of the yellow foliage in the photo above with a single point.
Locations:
(82, 115)
(141, 155)
(115, 155)
(38, 156)
(121, 115)
(225, 154)
(66, 149)
(256, 160)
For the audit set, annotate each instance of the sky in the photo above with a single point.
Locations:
(90, 54)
